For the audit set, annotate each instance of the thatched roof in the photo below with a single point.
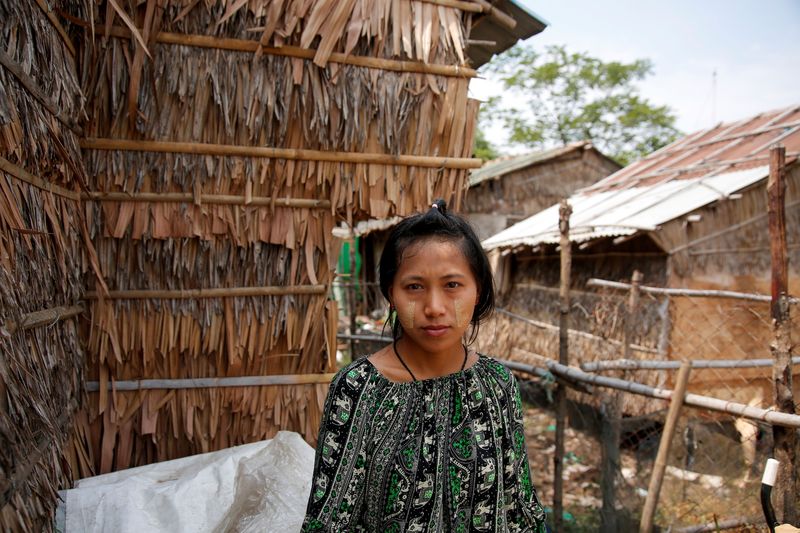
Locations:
(42, 244)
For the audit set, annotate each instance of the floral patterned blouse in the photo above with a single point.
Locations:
(438, 455)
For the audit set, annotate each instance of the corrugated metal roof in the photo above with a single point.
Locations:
(691, 172)
(619, 212)
(505, 165)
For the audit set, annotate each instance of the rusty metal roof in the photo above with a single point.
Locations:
(688, 174)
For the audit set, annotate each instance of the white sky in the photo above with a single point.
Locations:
(753, 45)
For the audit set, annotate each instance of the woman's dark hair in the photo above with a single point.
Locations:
(438, 224)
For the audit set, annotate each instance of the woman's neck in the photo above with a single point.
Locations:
(427, 364)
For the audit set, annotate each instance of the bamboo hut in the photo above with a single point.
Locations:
(691, 215)
(171, 174)
(510, 189)
(44, 244)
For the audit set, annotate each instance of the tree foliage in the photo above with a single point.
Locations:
(557, 97)
(482, 148)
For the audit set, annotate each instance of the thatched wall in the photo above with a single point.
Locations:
(42, 236)
(347, 141)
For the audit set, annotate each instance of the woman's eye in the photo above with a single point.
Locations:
(414, 287)
(453, 284)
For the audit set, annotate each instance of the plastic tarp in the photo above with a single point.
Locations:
(263, 486)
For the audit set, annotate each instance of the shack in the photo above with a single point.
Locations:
(510, 189)
(690, 215)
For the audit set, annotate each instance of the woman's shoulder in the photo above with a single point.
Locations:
(354, 375)
(496, 369)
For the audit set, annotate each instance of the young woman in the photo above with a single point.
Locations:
(426, 434)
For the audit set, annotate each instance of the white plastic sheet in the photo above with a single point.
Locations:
(262, 486)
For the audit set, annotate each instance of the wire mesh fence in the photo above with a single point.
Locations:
(712, 473)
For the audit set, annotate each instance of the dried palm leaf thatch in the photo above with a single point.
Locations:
(42, 235)
(145, 93)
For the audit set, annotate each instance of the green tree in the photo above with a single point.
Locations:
(567, 97)
(482, 148)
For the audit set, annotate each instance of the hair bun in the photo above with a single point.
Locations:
(440, 205)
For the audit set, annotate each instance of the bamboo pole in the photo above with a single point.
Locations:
(373, 338)
(210, 293)
(212, 383)
(23, 175)
(278, 153)
(33, 89)
(502, 18)
(458, 4)
(785, 441)
(657, 476)
(689, 293)
(188, 198)
(57, 25)
(693, 400)
(564, 212)
(43, 318)
(246, 45)
(632, 364)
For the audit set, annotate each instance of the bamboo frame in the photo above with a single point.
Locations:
(212, 383)
(457, 4)
(633, 364)
(23, 175)
(462, 163)
(57, 25)
(33, 89)
(44, 317)
(218, 199)
(657, 475)
(232, 292)
(245, 45)
(594, 282)
(775, 418)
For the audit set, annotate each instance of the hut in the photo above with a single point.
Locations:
(690, 215)
(510, 189)
(44, 246)
(171, 174)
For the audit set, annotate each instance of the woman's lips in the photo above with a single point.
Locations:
(436, 331)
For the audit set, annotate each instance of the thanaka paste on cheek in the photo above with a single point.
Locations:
(406, 315)
(462, 318)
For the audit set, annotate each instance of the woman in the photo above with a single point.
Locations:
(426, 434)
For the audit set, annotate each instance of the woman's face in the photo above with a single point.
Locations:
(435, 294)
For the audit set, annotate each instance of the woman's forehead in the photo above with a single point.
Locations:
(434, 256)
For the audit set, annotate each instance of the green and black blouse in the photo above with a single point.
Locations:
(437, 455)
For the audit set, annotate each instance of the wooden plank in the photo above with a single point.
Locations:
(45, 317)
(564, 212)
(279, 153)
(657, 475)
(785, 441)
(57, 25)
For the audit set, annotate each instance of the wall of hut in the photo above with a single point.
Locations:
(218, 252)
(42, 239)
(495, 204)
(729, 249)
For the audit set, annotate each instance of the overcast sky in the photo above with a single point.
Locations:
(754, 46)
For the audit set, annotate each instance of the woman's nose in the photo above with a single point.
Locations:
(435, 304)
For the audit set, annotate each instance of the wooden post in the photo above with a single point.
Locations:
(564, 212)
(785, 440)
(351, 293)
(611, 430)
(657, 476)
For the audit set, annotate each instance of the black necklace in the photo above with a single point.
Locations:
(410, 373)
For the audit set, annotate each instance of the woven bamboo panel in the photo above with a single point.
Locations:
(371, 142)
